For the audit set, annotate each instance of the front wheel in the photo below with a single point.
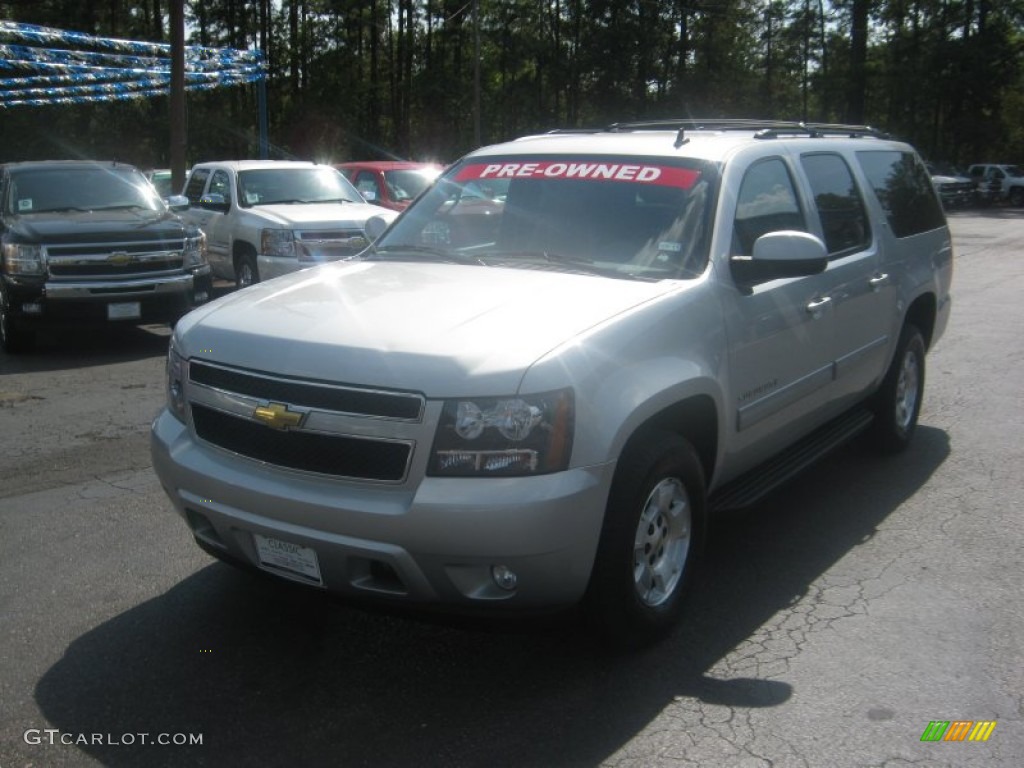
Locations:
(898, 402)
(652, 535)
(14, 338)
(246, 271)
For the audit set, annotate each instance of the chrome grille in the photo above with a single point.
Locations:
(331, 429)
(116, 260)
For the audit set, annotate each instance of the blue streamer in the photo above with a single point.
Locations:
(122, 69)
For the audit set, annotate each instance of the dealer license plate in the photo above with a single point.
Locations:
(288, 559)
(124, 310)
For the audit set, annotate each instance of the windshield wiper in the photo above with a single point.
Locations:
(61, 209)
(396, 252)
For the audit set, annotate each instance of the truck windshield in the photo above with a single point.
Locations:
(96, 188)
(628, 217)
(291, 186)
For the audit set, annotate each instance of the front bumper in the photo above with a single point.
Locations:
(38, 303)
(433, 542)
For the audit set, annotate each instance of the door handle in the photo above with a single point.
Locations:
(878, 281)
(816, 306)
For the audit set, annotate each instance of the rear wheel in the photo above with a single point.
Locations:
(898, 403)
(246, 271)
(652, 536)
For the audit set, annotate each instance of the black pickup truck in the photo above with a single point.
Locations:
(92, 242)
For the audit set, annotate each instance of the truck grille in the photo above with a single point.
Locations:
(308, 394)
(307, 451)
(223, 402)
(125, 260)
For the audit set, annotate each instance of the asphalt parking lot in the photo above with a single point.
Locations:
(833, 622)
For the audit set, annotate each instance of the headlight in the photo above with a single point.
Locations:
(177, 373)
(194, 253)
(502, 437)
(22, 259)
(277, 242)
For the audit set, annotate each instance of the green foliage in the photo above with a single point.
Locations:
(354, 79)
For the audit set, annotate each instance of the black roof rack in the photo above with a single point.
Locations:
(763, 129)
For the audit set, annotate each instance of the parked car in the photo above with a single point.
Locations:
(391, 184)
(999, 182)
(92, 242)
(160, 178)
(265, 218)
(658, 322)
(955, 189)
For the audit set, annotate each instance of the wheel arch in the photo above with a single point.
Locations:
(921, 313)
(240, 248)
(695, 419)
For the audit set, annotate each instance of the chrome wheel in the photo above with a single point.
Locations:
(907, 389)
(662, 542)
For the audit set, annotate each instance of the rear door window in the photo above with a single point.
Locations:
(196, 184)
(844, 222)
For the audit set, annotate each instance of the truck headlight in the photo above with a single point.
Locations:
(502, 437)
(277, 242)
(194, 253)
(23, 259)
(177, 373)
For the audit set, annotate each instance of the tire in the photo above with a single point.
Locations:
(15, 338)
(650, 543)
(898, 402)
(246, 271)
(1016, 197)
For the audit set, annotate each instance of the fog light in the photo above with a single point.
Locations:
(504, 577)
(32, 309)
(201, 296)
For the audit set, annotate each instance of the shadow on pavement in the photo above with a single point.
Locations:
(274, 675)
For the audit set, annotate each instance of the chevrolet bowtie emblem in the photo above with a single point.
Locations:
(120, 258)
(277, 416)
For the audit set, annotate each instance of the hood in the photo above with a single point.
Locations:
(440, 329)
(322, 215)
(105, 226)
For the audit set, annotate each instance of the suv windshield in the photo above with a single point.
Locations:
(278, 186)
(627, 217)
(47, 190)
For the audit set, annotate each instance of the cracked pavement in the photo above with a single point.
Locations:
(829, 626)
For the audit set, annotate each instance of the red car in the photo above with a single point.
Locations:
(390, 183)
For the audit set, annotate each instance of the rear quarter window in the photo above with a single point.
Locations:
(904, 190)
(196, 182)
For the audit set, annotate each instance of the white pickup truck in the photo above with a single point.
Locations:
(265, 218)
(999, 183)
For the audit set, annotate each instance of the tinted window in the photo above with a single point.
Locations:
(767, 203)
(220, 184)
(196, 182)
(843, 221)
(905, 191)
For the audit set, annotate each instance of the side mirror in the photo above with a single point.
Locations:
(375, 226)
(177, 202)
(214, 202)
(786, 253)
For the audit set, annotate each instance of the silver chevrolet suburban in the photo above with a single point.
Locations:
(535, 387)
